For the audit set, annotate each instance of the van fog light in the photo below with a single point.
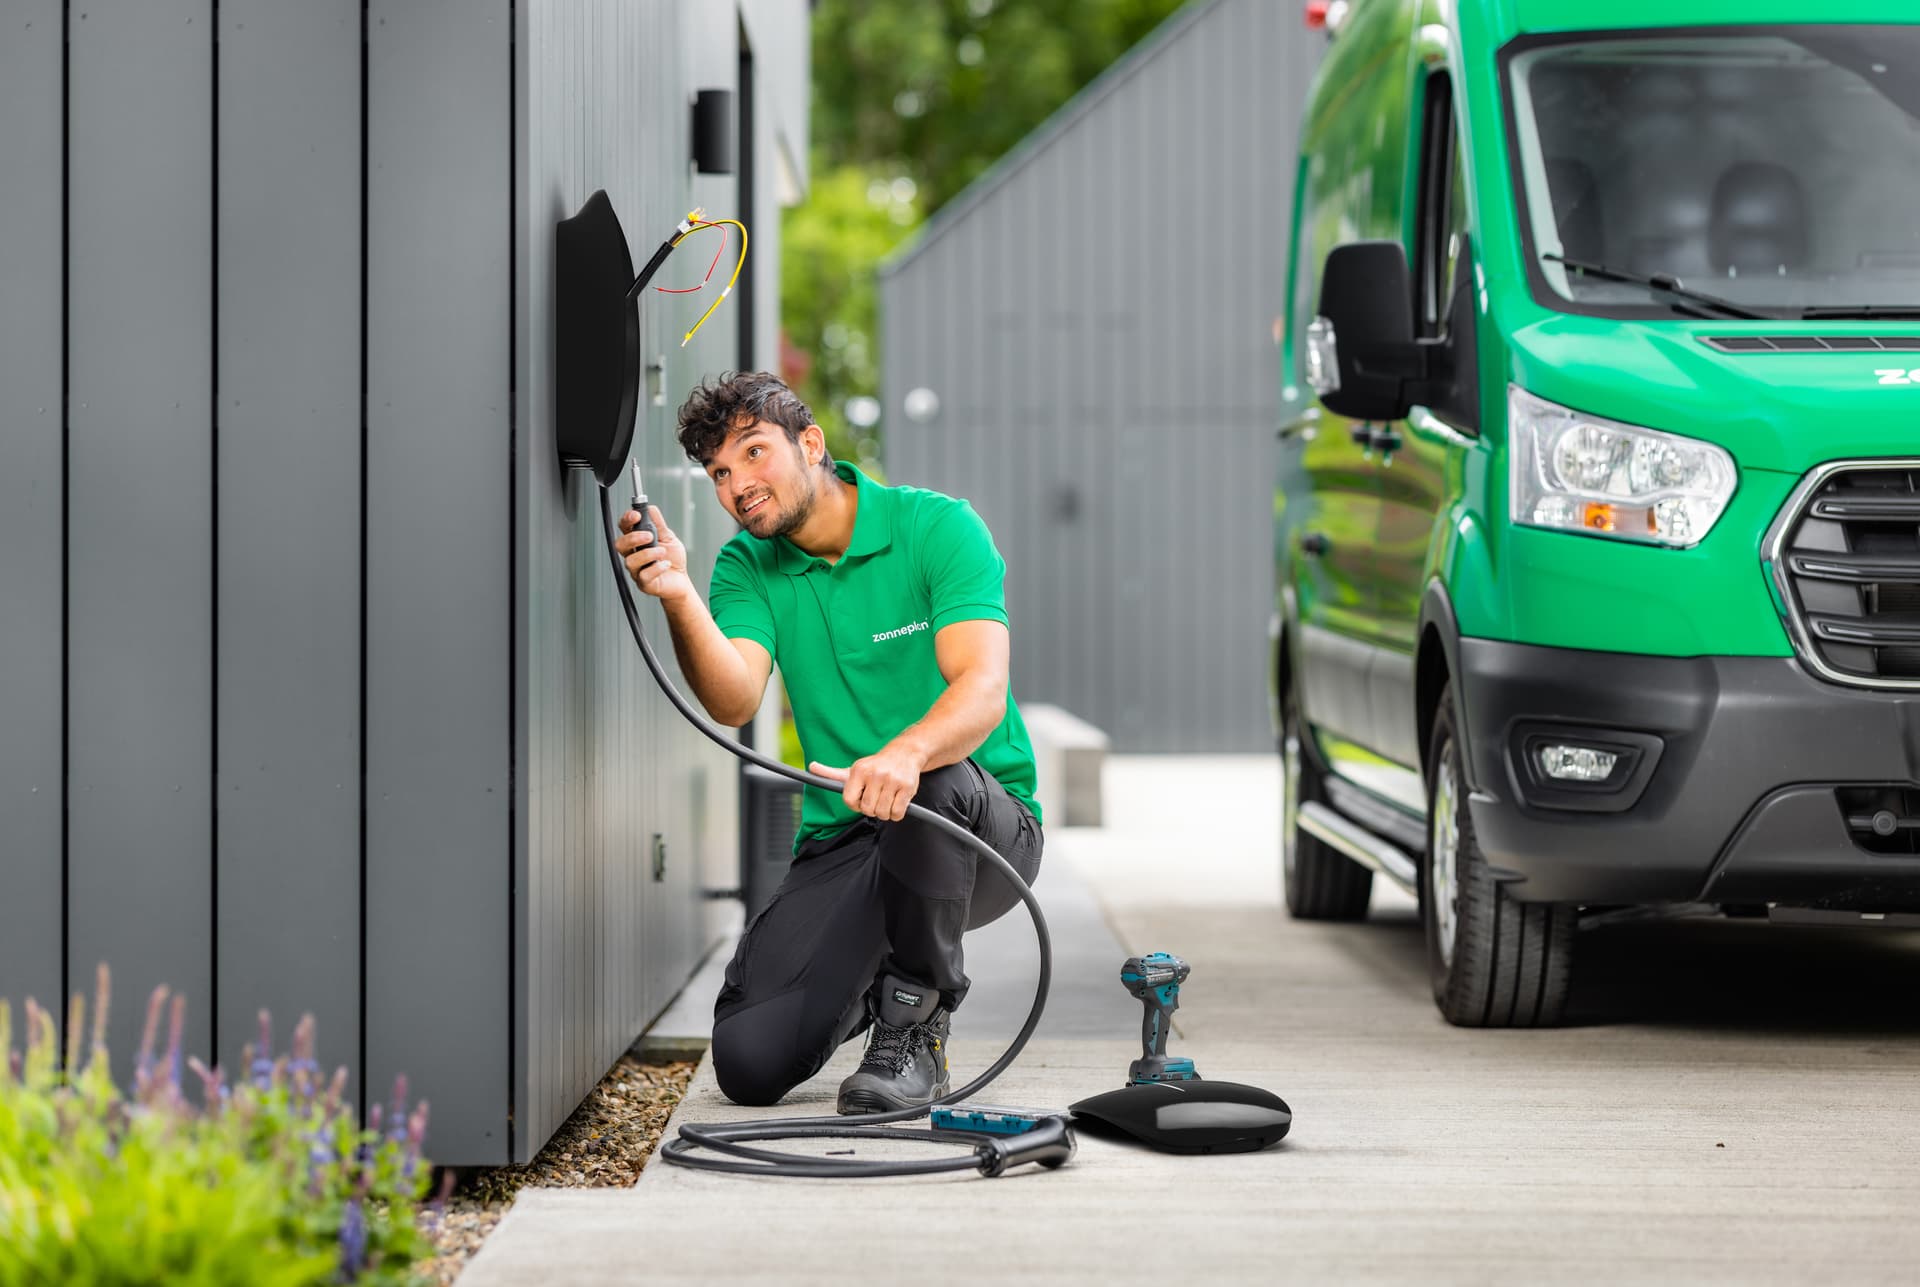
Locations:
(1576, 763)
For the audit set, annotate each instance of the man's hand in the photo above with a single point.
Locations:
(659, 570)
(880, 785)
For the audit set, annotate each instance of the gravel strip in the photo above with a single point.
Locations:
(602, 1146)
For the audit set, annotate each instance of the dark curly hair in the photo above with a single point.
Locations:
(734, 401)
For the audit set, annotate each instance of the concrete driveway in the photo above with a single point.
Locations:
(1729, 1103)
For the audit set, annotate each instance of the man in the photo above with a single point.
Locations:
(884, 608)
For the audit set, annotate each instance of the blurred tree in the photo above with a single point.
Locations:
(940, 89)
(852, 217)
(912, 101)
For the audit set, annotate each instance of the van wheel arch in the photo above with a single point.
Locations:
(1436, 669)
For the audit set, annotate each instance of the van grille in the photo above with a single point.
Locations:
(1812, 343)
(1848, 564)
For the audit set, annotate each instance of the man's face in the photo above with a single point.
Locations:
(764, 480)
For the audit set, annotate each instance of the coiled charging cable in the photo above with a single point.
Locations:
(1050, 1144)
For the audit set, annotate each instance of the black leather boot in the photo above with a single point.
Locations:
(906, 1060)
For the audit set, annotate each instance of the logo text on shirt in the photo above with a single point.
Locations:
(903, 630)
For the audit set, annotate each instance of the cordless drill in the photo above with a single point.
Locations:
(1155, 980)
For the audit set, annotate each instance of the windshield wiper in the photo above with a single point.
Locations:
(1662, 282)
(1861, 310)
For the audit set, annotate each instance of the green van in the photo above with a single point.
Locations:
(1598, 516)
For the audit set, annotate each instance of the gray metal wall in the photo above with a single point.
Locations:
(314, 693)
(610, 764)
(1096, 317)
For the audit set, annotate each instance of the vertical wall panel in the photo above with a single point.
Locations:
(139, 514)
(1135, 372)
(439, 555)
(517, 757)
(608, 762)
(31, 502)
(289, 521)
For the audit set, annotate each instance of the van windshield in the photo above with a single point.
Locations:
(1776, 168)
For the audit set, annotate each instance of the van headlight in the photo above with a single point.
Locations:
(1581, 473)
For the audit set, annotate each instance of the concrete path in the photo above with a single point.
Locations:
(1730, 1104)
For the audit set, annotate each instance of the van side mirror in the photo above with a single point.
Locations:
(1361, 355)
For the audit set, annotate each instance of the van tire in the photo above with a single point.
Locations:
(1322, 884)
(1509, 962)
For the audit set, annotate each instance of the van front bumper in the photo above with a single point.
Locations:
(1735, 780)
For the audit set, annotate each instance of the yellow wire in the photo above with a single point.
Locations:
(737, 266)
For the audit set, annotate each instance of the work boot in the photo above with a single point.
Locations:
(906, 1060)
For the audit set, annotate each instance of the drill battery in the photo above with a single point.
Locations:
(985, 1119)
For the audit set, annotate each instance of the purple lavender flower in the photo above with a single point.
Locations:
(416, 1136)
(209, 1082)
(397, 1115)
(336, 1092)
(102, 997)
(76, 1025)
(175, 1030)
(353, 1241)
(143, 1064)
(260, 1066)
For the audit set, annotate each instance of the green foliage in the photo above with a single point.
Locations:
(913, 100)
(270, 1182)
(852, 217)
(940, 89)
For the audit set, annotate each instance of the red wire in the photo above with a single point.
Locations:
(688, 290)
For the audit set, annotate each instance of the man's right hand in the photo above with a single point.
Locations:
(658, 569)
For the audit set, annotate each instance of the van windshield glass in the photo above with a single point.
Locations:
(1776, 168)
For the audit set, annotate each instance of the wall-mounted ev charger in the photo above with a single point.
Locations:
(597, 341)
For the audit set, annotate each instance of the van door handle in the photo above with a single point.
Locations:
(1314, 544)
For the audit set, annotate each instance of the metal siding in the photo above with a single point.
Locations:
(525, 841)
(1134, 365)
(140, 557)
(289, 567)
(608, 762)
(490, 671)
(439, 550)
(31, 504)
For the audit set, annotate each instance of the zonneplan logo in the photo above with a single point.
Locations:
(885, 635)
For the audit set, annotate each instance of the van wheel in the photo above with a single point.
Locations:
(1322, 883)
(1495, 962)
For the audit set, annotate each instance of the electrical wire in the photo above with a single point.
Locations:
(733, 1138)
(731, 281)
(688, 290)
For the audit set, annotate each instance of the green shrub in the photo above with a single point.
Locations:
(267, 1182)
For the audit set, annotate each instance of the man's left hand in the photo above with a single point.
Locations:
(880, 785)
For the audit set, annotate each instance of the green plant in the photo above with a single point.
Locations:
(270, 1181)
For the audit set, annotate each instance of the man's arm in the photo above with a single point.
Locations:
(973, 659)
(729, 676)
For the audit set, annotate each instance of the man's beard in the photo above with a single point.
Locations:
(791, 517)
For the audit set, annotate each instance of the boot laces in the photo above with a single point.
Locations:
(895, 1047)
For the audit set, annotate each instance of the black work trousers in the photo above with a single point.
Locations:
(877, 898)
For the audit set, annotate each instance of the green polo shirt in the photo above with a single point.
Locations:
(854, 639)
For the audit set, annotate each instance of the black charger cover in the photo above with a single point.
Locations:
(596, 341)
(1188, 1116)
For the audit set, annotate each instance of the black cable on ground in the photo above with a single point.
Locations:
(733, 1137)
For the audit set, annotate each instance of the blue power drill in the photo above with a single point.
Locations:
(1155, 979)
